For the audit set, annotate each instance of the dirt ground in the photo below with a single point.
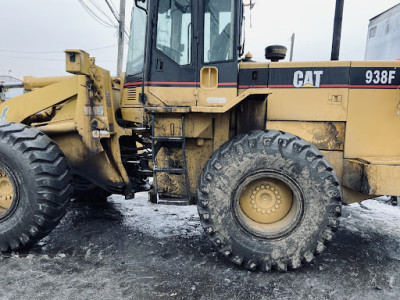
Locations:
(137, 250)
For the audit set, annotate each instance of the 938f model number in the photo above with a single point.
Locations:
(380, 76)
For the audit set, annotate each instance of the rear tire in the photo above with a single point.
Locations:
(269, 200)
(36, 186)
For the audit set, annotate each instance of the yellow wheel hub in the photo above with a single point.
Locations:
(266, 200)
(6, 192)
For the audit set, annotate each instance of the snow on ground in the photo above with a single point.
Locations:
(138, 250)
(158, 220)
(370, 213)
(373, 217)
(161, 221)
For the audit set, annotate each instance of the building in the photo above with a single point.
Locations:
(383, 41)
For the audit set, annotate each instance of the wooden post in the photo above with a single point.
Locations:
(121, 34)
(292, 46)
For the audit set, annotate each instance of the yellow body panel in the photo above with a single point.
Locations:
(231, 103)
(168, 96)
(131, 109)
(196, 126)
(373, 178)
(309, 64)
(218, 97)
(308, 103)
(373, 125)
(253, 65)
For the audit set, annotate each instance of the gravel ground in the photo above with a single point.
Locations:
(137, 250)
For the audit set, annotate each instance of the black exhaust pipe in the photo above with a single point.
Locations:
(337, 30)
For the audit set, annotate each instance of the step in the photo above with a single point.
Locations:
(168, 139)
(139, 129)
(147, 172)
(174, 201)
(177, 171)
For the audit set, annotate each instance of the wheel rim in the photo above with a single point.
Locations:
(266, 200)
(7, 193)
(268, 204)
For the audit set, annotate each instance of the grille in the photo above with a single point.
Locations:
(132, 94)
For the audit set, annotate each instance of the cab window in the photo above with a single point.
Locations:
(174, 30)
(219, 30)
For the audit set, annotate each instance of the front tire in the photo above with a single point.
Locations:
(269, 200)
(35, 186)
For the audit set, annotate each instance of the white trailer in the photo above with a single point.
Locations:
(383, 41)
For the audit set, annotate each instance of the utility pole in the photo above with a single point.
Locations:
(292, 46)
(337, 30)
(121, 34)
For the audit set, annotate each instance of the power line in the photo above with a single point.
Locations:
(101, 11)
(30, 52)
(112, 8)
(11, 77)
(113, 5)
(94, 15)
(47, 59)
(53, 52)
(100, 48)
(113, 12)
(32, 58)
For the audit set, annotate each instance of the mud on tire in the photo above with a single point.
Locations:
(269, 200)
(37, 185)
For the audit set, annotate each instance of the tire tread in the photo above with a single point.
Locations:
(285, 142)
(53, 183)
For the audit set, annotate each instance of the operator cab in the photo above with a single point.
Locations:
(188, 44)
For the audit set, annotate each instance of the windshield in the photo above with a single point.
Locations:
(137, 42)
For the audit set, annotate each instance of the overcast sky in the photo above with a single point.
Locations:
(51, 26)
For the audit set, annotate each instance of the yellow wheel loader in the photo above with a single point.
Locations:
(268, 150)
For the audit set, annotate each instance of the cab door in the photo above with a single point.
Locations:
(218, 59)
(173, 77)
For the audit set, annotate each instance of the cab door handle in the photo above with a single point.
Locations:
(159, 65)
